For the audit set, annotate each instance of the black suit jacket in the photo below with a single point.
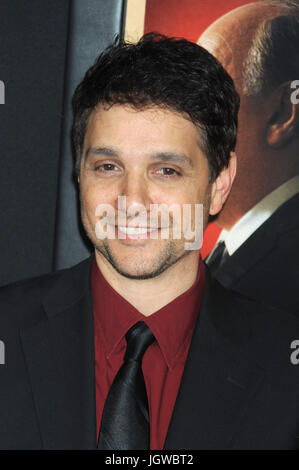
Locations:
(266, 266)
(239, 388)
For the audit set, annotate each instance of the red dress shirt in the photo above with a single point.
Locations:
(163, 362)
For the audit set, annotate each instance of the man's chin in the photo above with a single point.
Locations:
(139, 268)
(131, 270)
(137, 275)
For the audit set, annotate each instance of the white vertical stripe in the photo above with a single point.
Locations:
(134, 22)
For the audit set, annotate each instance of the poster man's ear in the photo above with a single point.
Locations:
(222, 185)
(283, 122)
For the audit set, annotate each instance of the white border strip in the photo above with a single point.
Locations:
(134, 22)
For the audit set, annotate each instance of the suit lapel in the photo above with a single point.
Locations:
(59, 354)
(260, 244)
(218, 380)
(250, 253)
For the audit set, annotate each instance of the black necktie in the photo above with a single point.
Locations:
(216, 259)
(125, 419)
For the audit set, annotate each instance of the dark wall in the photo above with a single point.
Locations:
(33, 39)
(91, 30)
(44, 49)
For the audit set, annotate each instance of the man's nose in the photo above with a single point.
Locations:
(135, 188)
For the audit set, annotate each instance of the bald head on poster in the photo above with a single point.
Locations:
(257, 44)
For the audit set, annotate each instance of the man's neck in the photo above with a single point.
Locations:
(150, 295)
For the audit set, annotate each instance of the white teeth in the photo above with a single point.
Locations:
(135, 231)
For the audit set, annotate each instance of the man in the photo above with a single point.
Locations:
(137, 347)
(257, 252)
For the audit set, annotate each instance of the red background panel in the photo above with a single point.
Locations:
(188, 19)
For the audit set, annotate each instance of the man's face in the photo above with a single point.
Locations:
(150, 157)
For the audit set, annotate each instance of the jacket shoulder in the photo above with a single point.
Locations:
(25, 297)
(243, 318)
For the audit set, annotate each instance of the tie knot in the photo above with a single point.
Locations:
(139, 338)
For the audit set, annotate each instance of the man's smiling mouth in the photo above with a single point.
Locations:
(135, 230)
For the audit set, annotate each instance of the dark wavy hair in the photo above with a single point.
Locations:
(168, 72)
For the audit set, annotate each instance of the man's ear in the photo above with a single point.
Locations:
(283, 116)
(222, 185)
(78, 179)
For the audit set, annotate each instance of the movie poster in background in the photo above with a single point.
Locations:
(188, 19)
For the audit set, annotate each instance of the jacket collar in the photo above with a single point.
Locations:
(260, 243)
(71, 285)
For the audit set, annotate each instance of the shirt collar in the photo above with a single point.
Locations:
(256, 216)
(172, 325)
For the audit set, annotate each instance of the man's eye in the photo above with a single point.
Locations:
(105, 167)
(169, 172)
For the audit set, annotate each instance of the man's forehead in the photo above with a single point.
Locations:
(117, 136)
(151, 110)
(125, 118)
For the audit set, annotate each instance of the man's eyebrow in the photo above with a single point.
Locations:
(105, 151)
(174, 157)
